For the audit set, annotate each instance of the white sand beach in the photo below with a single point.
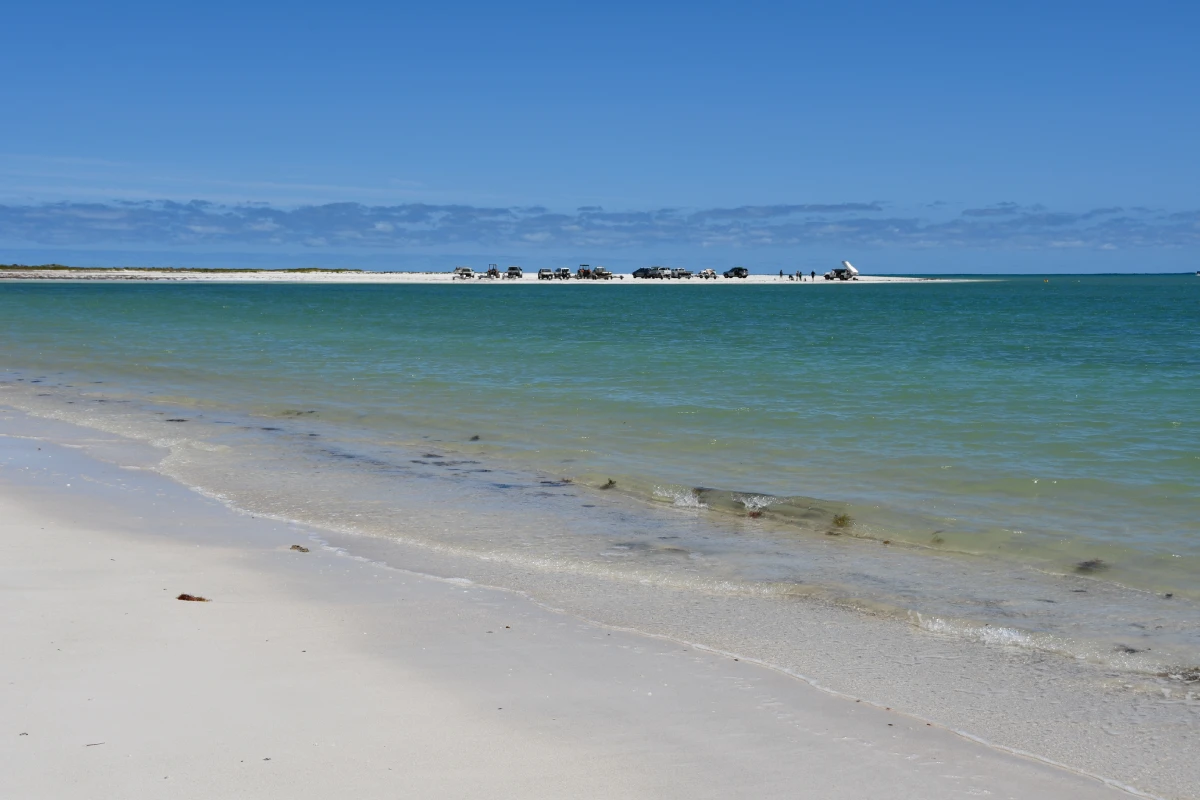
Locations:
(317, 675)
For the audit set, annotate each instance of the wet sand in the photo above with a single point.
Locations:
(315, 674)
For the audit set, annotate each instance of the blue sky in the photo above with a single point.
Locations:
(906, 137)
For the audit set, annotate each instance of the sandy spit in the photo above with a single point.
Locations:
(280, 276)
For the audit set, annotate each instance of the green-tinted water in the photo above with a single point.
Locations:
(1052, 420)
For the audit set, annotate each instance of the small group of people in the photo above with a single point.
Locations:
(799, 276)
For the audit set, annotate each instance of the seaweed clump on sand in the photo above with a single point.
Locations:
(195, 598)
(1185, 674)
(1091, 566)
(840, 523)
(299, 548)
(611, 484)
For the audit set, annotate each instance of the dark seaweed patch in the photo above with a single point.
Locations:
(432, 455)
(610, 485)
(270, 429)
(175, 419)
(194, 598)
(1091, 566)
(473, 439)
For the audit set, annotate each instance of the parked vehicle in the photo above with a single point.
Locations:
(681, 273)
(846, 272)
(584, 273)
(514, 273)
(736, 272)
(492, 272)
(705, 274)
(563, 273)
(602, 274)
(656, 273)
(463, 273)
(545, 275)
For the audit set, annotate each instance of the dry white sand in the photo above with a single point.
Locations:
(313, 675)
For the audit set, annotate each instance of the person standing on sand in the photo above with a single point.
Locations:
(814, 276)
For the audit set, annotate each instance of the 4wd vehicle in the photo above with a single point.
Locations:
(602, 274)
(563, 273)
(514, 273)
(705, 274)
(463, 273)
(584, 273)
(545, 275)
(736, 272)
(681, 273)
(846, 272)
(644, 272)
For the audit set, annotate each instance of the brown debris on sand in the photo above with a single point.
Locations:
(611, 484)
(1091, 565)
(299, 548)
(193, 598)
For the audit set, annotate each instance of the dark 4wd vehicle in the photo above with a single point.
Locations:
(650, 272)
(736, 272)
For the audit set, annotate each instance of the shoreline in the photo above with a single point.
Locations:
(1010, 699)
(223, 697)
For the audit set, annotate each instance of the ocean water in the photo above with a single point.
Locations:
(1012, 461)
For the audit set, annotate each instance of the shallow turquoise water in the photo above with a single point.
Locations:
(1046, 422)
